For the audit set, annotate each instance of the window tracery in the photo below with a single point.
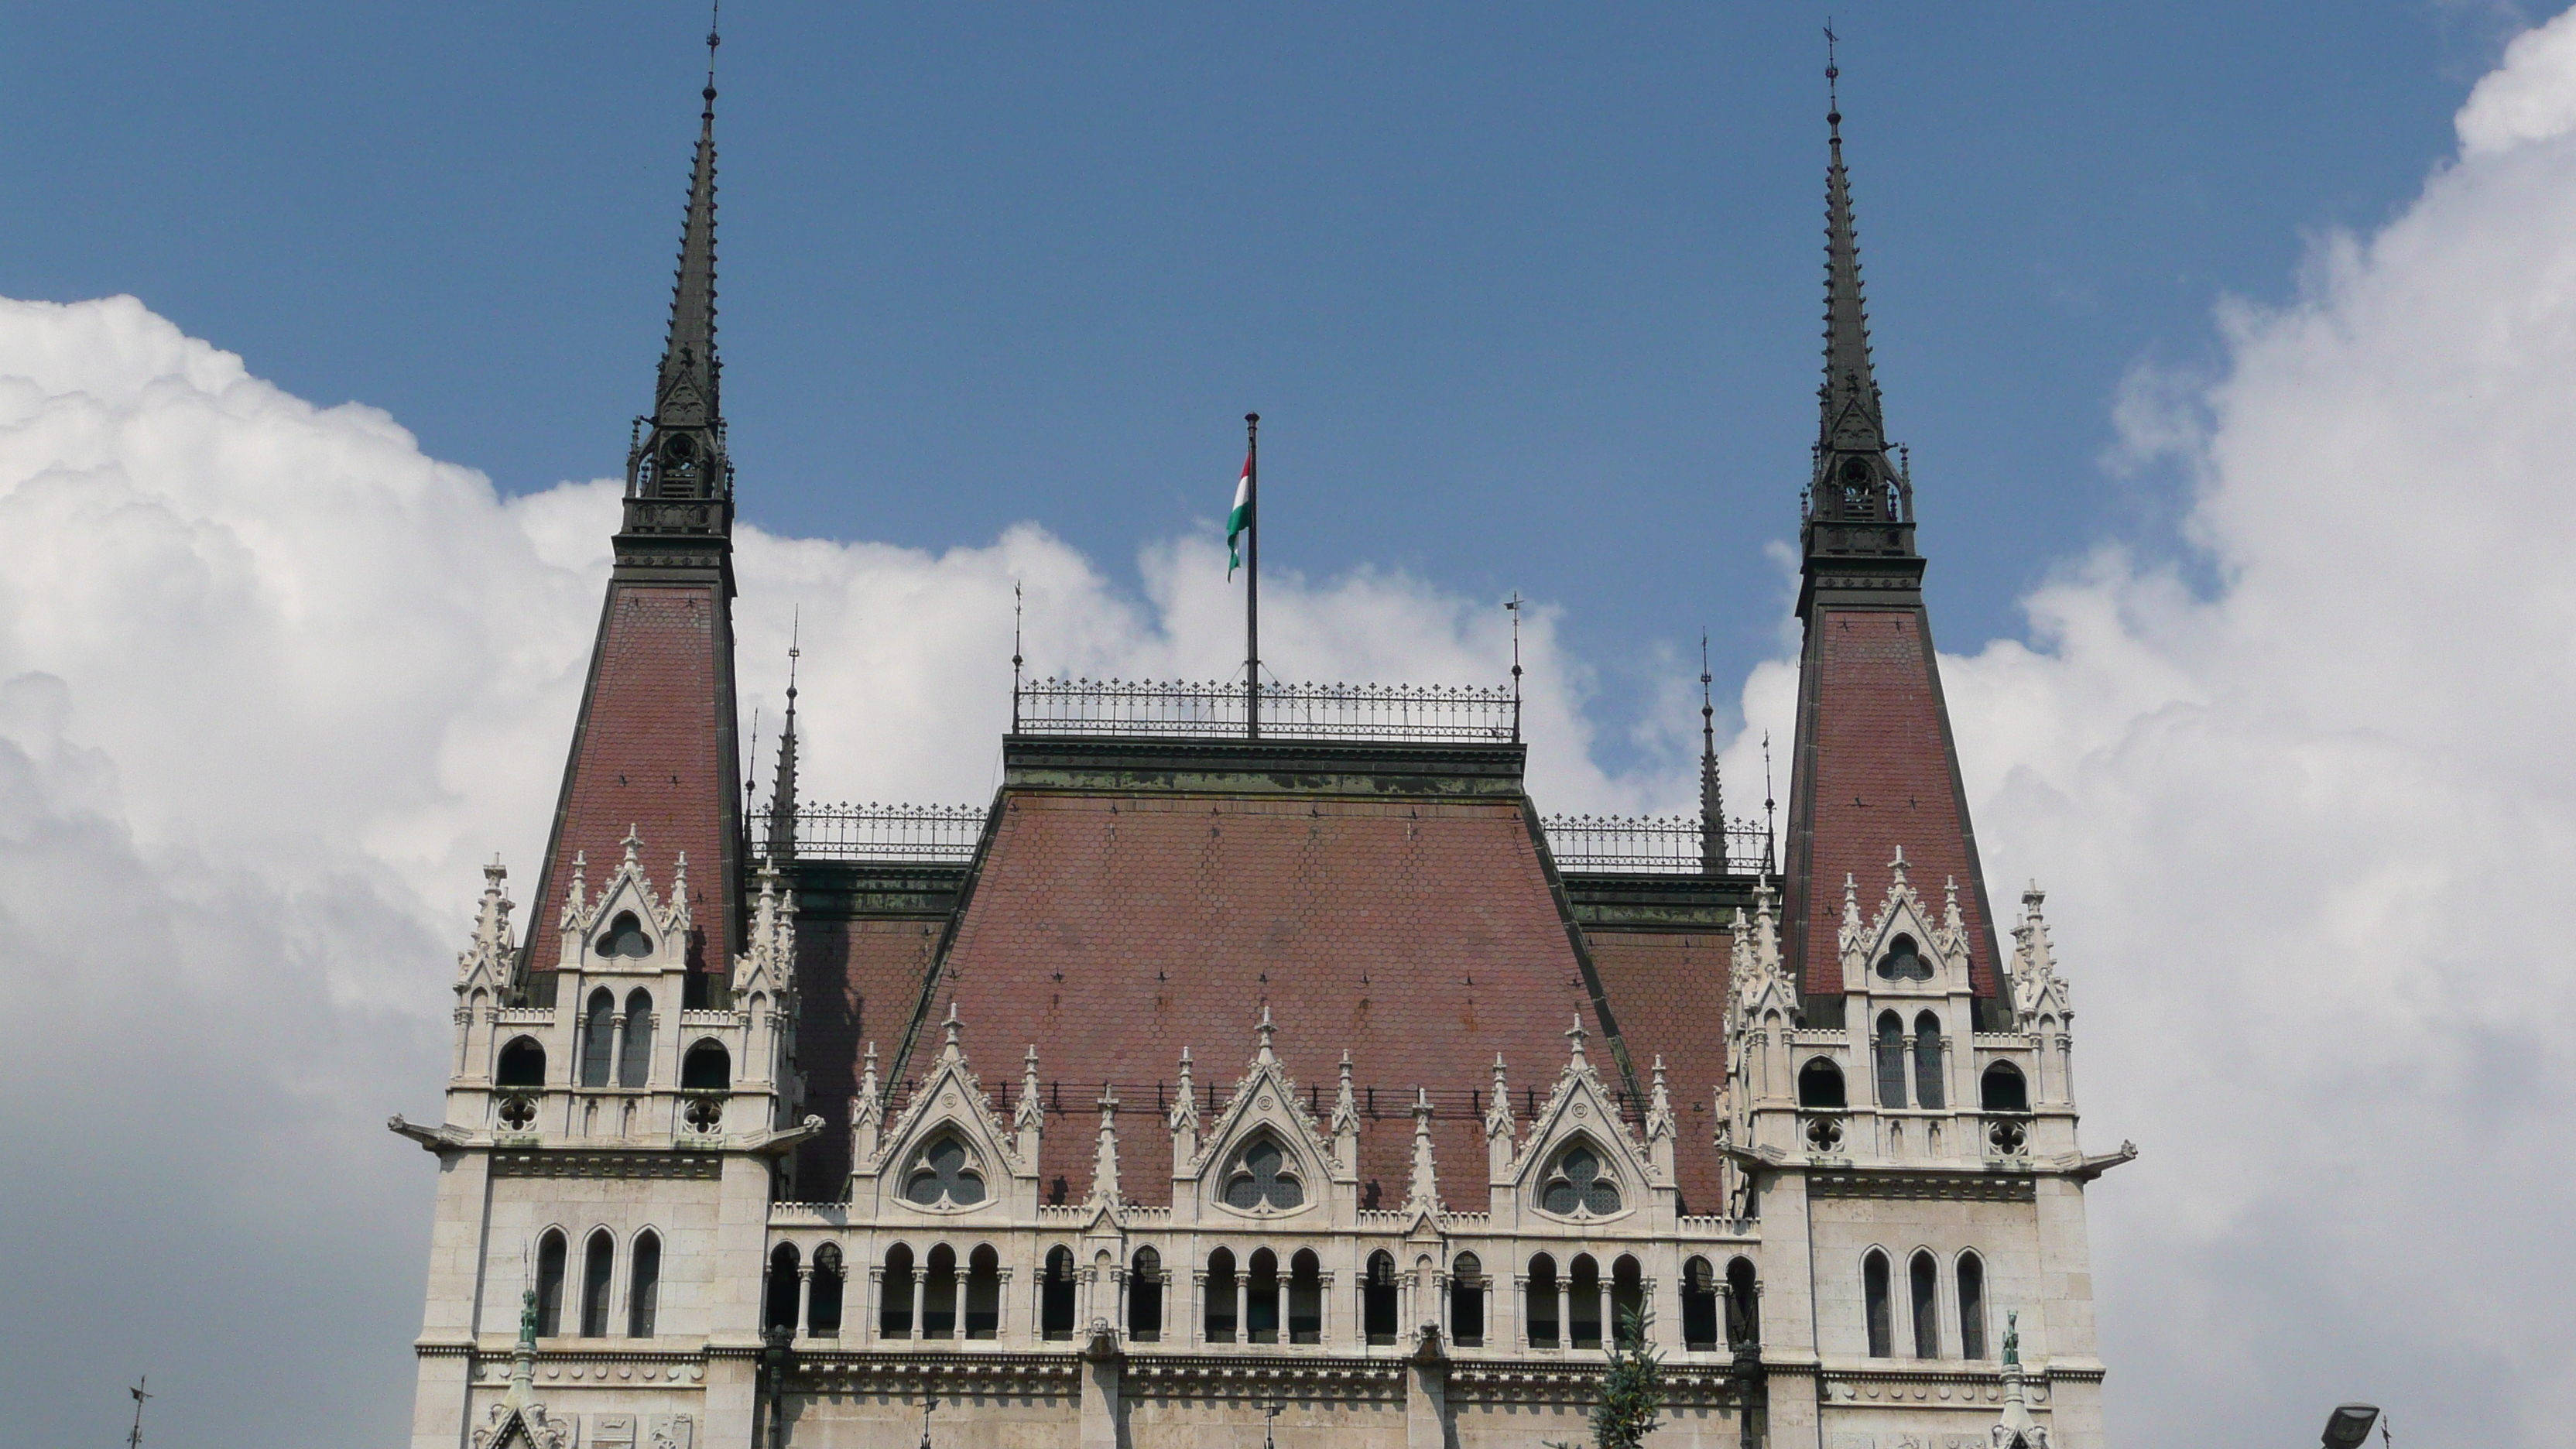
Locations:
(1264, 1179)
(943, 1176)
(1579, 1184)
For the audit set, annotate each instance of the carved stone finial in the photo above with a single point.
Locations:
(1185, 1112)
(633, 842)
(1266, 1031)
(1346, 1102)
(1574, 1036)
(1030, 1115)
(1424, 1191)
(1896, 868)
(1659, 1106)
(1104, 1163)
(1498, 1115)
(952, 1026)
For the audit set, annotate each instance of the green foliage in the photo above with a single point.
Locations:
(1632, 1393)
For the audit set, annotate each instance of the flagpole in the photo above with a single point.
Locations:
(1252, 577)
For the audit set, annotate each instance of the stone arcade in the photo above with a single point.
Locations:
(1205, 1084)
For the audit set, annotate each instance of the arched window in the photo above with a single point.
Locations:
(1820, 1086)
(598, 1263)
(523, 1064)
(2002, 1089)
(1579, 1184)
(635, 1055)
(1467, 1301)
(1904, 961)
(1264, 1179)
(943, 1176)
(778, 1307)
(644, 1292)
(709, 1068)
(1220, 1297)
(823, 1300)
(1743, 1303)
(1889, 1051)
(1927, 1062)
(1857, 499)
(1539, 1312)
(1145, 1297)
(1261, 1297)
(1972, 1306)
(1583, 1302)
(894, 1300)
(1055, 1295)
(984, 1293)
(1377, 1298)
(598, 1021)
(939, 1293)
(1925, 1279)
(1628, 1301)
(550, 1284)
(625, 937)
(1882, 1314)
(1699, 1305)
(1305, 1299)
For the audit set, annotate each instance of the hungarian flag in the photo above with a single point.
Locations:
(1240, 520)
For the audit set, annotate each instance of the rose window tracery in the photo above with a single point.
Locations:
(1263, 1180)
(944, 1176)
(1579, 1184)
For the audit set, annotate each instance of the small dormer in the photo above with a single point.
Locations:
(1580, 1164)
(1264, 1157)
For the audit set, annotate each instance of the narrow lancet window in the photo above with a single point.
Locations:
(1874, 1290)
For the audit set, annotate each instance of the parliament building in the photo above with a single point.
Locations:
(1254, 1067)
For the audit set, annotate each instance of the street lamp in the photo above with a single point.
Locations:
(2349, 1428)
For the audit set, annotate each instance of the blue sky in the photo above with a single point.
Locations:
(1529, 299)
(1529, 303)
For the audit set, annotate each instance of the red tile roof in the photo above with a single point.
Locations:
(653, 751)
(1876, 771)
(1113, 930)
(1669, 992)
(857, 982)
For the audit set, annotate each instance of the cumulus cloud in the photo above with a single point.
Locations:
(2305, 832)
(273, 683)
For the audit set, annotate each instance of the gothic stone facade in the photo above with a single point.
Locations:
(1222, 1087)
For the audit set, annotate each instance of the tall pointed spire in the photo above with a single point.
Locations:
(659, 706)
(1854, 480)
(678, 454)
(781, 845)
(1712, 797)
(1875, 764)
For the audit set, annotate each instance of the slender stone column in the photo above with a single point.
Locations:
(1242, 1305)
(957, 1310)
(876, 1303)
(616, 1048)
(920, 1298)
(1565, 1310)
(804, 1300)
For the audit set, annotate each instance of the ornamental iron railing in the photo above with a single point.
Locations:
(1656, 845)
(1217, 709)
(921, 833)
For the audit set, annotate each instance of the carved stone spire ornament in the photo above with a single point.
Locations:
(1104, 1161)
(1423, 1191)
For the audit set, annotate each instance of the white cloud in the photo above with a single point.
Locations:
(272, 683)
(2303, 835)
